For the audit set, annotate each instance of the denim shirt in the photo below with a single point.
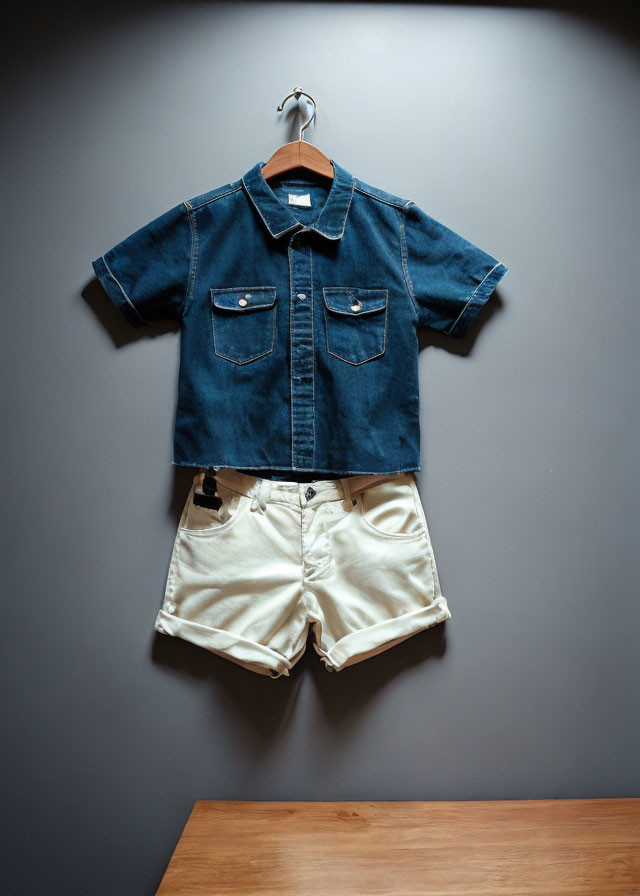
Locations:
(299, 300)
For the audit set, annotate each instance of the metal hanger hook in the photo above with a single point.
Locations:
(298, 92)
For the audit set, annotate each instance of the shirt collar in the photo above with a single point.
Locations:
(279, 219)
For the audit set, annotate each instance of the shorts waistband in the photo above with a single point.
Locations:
(300, 493)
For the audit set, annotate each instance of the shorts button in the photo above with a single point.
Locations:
(310, 492)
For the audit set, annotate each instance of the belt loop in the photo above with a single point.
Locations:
(346, 488)
(261, 494)
(255, 494)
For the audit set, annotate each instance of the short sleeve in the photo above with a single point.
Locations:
(147, 275)
(449, 278)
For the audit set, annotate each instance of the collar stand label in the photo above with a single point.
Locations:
(303, 200)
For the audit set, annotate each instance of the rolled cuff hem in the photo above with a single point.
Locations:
(462, 323)
(250, 654)
(116, 293)
(358, 646)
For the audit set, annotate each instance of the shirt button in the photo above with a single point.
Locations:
(247, 295)
(302, 295)
(242, 302)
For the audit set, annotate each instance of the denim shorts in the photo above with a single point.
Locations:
(257, 562)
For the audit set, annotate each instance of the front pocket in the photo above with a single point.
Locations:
(243, 321)
(390, 508)
(205, 514)
(356, 322)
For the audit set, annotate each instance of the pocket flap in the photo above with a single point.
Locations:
(244, 298)
(354, 300)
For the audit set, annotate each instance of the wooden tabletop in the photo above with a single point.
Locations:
(408, 848)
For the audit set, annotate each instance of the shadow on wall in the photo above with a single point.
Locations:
(120, 331)
(33, 27)
(267, 703)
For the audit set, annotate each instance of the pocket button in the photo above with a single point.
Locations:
(242, 302)
(356, 307)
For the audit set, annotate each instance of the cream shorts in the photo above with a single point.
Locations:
(352, 558)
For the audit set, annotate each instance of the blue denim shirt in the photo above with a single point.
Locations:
(299, 301)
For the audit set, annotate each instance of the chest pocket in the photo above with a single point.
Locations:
(243, 321)
(356, 322)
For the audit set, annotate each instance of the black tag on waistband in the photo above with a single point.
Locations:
(209, 484)
(213, 502)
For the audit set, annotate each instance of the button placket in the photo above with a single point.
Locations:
(309, 535)
(316, 539)
(305, 522)
(302, 355)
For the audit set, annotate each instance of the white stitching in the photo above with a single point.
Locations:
(255, 357)
(291, 238)
(379, 198)
(240, 465)
(193, 266)
(351, 291)
(122, 289)
(354, 315)
(346, 214)
(213, 198)
(405, 259)
(291, 312)
(452, 326)
(214, 290)
(267, 225)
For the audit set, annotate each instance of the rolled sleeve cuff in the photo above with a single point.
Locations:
(462, 323)
(116, 292)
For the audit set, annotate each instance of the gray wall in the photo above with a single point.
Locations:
(517, 128)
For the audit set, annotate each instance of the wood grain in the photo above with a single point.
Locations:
(408, 848)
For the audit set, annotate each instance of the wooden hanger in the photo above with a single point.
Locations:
(298, 154)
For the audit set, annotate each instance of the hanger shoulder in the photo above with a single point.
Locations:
(298, 154)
